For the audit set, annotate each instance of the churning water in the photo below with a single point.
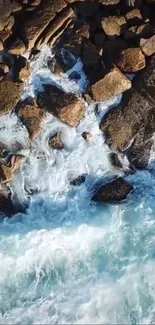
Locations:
(68, 260)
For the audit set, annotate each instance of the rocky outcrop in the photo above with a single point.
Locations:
(132, 60)
(31, 116)
(66, 106)
(113, 192)
(8, 102)
(113, 84)
(55, 142)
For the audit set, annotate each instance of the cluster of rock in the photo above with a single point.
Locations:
(113, 38)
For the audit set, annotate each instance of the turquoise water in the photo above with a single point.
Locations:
(71, 261)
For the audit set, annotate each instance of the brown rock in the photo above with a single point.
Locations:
(17, 47)
(87, 136)
(129, 128)
(3, 69)
(109, 2)
(68, 24)
(15, 6)
(5, 174)
(66, 106)
(37, 22)
(113, 84)
(4, 35)
(1, 46)
(134, 17)
(55, 142)
(25, 73)
(112, 192)
(84, 31)
(10, 93)
(113, 25)
(148, 45)
(132, 60)
(74, 45)
(16, 161)
(31, 116)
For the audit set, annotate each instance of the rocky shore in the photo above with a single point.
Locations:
(114, 39)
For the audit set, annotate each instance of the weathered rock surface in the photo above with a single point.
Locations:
(132, 60)
(8, 102)
(31, 116)
(66, 106)
(114, 83)
(87, 136)
(134, 17)
(112, 192)
(55, 142)
(113, 25)
(148, 45)
(6, 174)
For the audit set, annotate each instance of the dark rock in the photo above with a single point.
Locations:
(112, 50)
(87, 9)
(78, 181)
(114, 159)
(115, 191)
(132, 60)
(134, 17)
(10, 93)
(55, 142)
(135, 33)
(90, 56)
(66, 106)
(87, 136)
(99, 38)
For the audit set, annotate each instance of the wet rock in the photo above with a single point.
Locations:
(74, 46)
(114, 159)
(31, 116)
(84, 31)
(87, 136)
(115, 191)
(1, 46)
(5, 174)
(6, 205)
(10, 93)
(129, 128)
(78, 181)
(3, 69)
(145, 81)
(113, 84)
(132, 60)
(66, 106)
(55, 67)
(148, 45)
(114, 25)
(55, 142)
(16, 161)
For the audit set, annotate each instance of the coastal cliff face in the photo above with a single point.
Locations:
(113, 40)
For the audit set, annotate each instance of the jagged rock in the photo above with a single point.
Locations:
(112, 192)
(114, 159)
(78, 181)
(10, 93)
(17, 47)
(31, 116)
(84, 31)
(87, 136)
(55, 67)
(15, 162)
(6, 205)
(74, 45)
(37, 22)
(113, 84)
(145, 81)
(114, 25)
(112, 51)
(134, 17)
(148, 45)
(129, 127)
(132, 60)
(135, 33)
(66, 106)
(87, 9)
(55, 142)
(5, 174)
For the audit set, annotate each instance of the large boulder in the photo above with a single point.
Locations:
(66, 106)
(148, 45)
(129, 128)
(31, 116)
(115, 191)
(10, 93)
(113, 83)
(114, 25)
(132, 60)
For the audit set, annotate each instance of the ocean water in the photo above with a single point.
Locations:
(69, 260)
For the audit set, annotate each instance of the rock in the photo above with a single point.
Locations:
(134, 17)
(25, 72)
(37, 22)
(74, 45)
(90, 56)
(109, 2)
(1, 46)
(16, 161)
(6, 205)
(5, 174)
(113, 25)
(132, 60)
(87, 136)
(148, 45)
(129, 128)
(115, 191)
(31, 116)
(87, 9)
(114, 159)
(3, 69)
(66, 106)
(10, 93)
(55, 142)
(55, 67)
(135, 33)
(145, 81)
(84, 31)
(113, 84)
(78, 181)
(17, 47)
(112, 51)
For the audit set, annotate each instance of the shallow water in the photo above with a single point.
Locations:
(71, 261)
